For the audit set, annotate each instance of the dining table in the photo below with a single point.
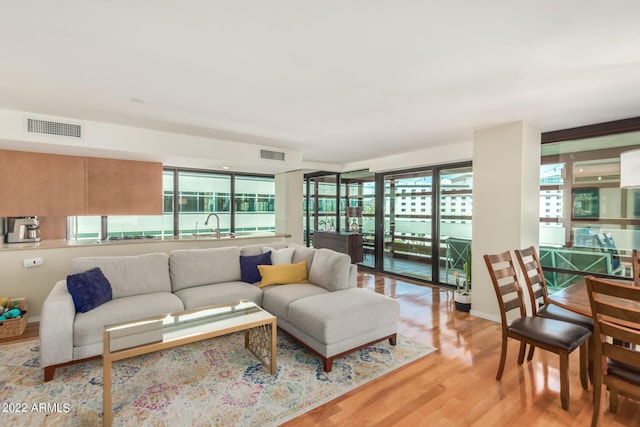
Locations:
(576, 297)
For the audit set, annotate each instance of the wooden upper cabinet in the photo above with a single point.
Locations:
(123, 187)
(39, 184)
(52, 185)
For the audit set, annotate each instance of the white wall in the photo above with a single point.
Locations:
(506, 185)
(289, 200)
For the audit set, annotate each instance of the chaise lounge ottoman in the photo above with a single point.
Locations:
(336, 323)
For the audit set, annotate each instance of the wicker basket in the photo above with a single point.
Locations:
(14, 327)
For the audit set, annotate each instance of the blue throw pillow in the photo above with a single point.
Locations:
(249, 266)
(89, 289)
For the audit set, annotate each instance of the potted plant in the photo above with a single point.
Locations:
(462, 295)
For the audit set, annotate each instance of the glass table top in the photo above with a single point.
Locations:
(183, 324)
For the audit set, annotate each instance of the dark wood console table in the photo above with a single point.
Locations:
(346, 243)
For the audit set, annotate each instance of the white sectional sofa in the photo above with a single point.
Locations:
(328, 314)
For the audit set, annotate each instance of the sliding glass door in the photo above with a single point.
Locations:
(455, 203)
(322, 205)
(358, 210)
(408, 224)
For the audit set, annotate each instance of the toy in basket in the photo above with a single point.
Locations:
(13, 316)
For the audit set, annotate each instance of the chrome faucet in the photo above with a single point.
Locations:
(217, 229)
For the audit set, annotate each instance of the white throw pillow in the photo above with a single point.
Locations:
(280, 256)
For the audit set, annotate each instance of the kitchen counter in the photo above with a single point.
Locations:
(58, 244)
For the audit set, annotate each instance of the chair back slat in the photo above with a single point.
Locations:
(512, 304)
(621, 354)
(533, 276)
(615, 289)
(537, 279)
(505, 284)
(501, 273)
(508, 288)
(618, 312)
(538, 293)
(620, 332)
(530, 265)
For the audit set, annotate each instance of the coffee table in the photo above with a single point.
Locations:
(129, 339)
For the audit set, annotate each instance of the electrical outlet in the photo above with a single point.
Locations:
(32, 262)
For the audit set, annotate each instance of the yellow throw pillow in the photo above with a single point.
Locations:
(283, 274)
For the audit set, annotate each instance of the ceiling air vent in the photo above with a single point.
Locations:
(272, 155)
(48, 127)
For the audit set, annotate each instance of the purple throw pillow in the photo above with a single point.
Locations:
(249, 266)
(89, 289)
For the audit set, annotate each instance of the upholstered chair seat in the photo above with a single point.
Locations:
(552, 311)
(550, 331)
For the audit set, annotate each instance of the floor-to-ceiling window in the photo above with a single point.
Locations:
(191, 198)
(402, 216)
(588, 224)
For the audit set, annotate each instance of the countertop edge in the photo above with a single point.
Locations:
(60, 244)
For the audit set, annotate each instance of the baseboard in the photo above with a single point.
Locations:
(484, 316)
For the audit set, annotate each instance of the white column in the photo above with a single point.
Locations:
(289, 201)
(506, 198)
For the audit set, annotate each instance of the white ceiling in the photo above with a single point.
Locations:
(341, 81)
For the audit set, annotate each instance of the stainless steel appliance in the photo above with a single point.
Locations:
(23, 230)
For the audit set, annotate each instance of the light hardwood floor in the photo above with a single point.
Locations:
(455, 386)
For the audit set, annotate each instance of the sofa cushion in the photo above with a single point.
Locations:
(279, 256)
(330, 270)
(220, 293)
(88, 327)
(276, 299)
(129, 275)
(196, 267)
(257, 249)
(336, 316)
(89, 289)
(303, 253)
(249, 266)
(283, 274)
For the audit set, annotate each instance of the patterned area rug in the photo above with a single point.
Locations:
(213, 382)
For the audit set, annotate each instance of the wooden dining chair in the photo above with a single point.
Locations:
(635, 267)
(548, 334)
(541, 306)
(616, 318)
